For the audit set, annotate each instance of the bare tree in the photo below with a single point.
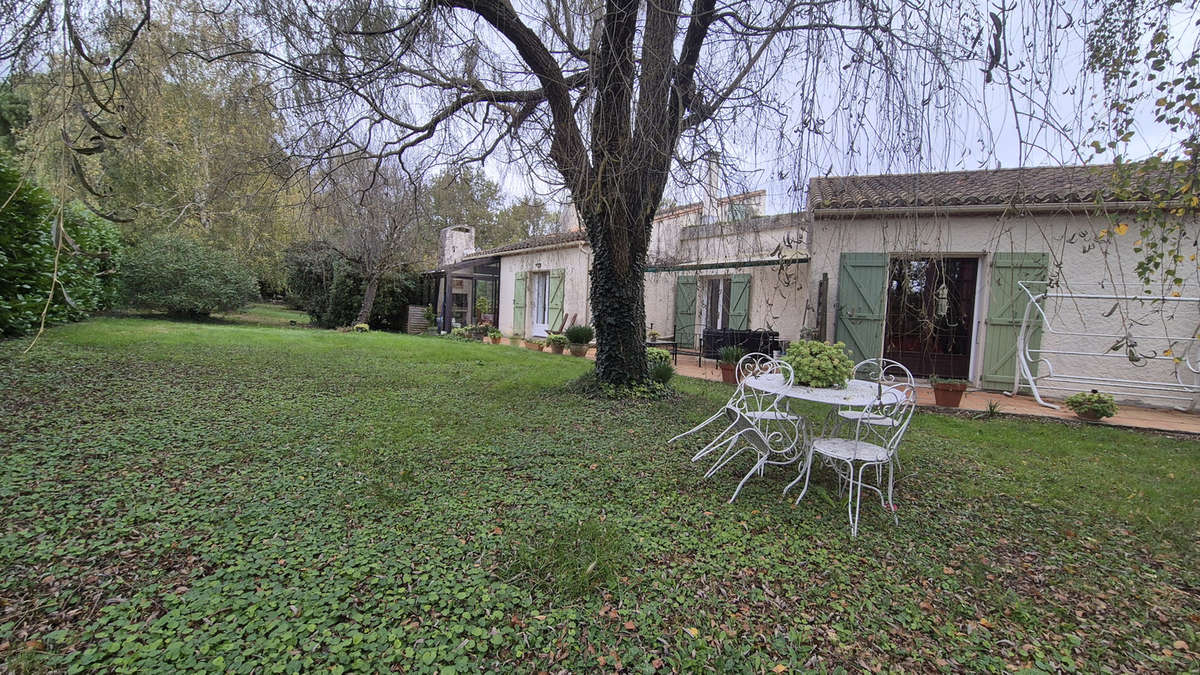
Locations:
(606, 99)
(373, 220)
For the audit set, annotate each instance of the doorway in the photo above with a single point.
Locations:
(930, 321)
(541, 303)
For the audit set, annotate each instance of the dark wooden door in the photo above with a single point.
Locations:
(931, 315)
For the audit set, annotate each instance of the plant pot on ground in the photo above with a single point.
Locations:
(1092, 405)
(557, 342)
(578, 338)
(495, 336)
(535, 345)
(515, 340)
(947, 393)
(729, 357)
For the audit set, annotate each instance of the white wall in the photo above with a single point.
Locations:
(575, 259)
(1079, 260)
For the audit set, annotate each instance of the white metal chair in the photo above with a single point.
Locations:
(873, 444)
(754, 402)
(760, 421)
(887, 374)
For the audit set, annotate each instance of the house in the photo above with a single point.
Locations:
(932, 269)
(716, 266)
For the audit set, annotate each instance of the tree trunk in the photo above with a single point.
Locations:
(364, 312)
(618, 301)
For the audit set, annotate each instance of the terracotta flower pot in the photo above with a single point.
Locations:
(948, 395)
(514, 341)
(1089, 416)
(495, 340)
(534, 346)
(728, 376)
(579, 350)
(557, 349)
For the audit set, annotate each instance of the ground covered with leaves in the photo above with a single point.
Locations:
(248, 496)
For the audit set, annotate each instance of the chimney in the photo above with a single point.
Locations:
(710, 211)
(568, 218)
(457, 242)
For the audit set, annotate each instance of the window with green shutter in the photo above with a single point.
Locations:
(1006, 309)
(555, 303)
(862, 281)
(739, 302)
(685, 312)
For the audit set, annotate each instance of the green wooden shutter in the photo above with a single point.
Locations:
(739, 302)
(861, 303)
(519, 303)
(1006, 308)
(555, 307)
(685, 312)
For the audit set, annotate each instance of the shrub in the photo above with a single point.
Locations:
(662, 372)
(819, 364)
(183, 277)
(494, 334)
(655, 356)
(1092, 404)
(86, 279)
(362, 328)
(580, 335)
(557, 339)
(731, 354)
(460, 333)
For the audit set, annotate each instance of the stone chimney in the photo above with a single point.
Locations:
(568, 218)
(710, 210)
(457, 242)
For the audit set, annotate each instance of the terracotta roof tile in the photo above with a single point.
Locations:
(1030, 185)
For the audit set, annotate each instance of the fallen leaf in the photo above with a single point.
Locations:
(629, 625)
(1180, 644)
(692, 631)
(779, 668)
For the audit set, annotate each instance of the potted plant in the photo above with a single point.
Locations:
(495, 336)
(515, 340)
(729, 357)
(1092, 405)
(578, 337)
(557, 341)
(430, 319)
(819, 364)
(535, 345)
(947, 392)
(652, 335)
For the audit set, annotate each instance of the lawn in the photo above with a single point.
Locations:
(246, 495)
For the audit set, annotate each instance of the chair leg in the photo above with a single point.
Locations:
(727, 456)
(892, 504)
(804, 473)
(757, 468)
(713, 444)
(854, 499)
(698, 427)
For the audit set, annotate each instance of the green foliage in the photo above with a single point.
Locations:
(574, 558)
(655, 356)
(460, 333)
(819, 364)
(321, 284)
(662, 372)
(580, 335)
(557, 339)
(362, 328)
(934, 379)
(430, 316)
(183, 277)
(1092, 404)
(302, 499)
(731, 354)
(85, 281)
(590, 386)
(494, 334)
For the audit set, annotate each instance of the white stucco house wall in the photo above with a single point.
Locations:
(924, 268)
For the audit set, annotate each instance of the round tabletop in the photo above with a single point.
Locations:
(857, 393)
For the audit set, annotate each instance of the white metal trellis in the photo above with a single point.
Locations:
(1184, 355)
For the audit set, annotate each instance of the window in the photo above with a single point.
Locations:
(540, 287)
(716, 303)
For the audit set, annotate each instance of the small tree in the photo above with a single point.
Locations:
(183, 277)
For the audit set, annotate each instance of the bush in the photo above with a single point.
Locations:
(86, 279)
(1092, 404)
(662, 372)
(557, 339)
(580, 335)
(183, 277)
(655, 356)
(819, 364)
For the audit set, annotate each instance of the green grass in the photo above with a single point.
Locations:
(243, 495)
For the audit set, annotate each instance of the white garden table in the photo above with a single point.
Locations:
(857, 393)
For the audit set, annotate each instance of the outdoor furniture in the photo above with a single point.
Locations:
(760, 421)
(713, 339)
(752, 402)
(887, 374)
(872, 444)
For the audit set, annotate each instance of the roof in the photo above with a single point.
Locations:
(1028, 185)
(697, 206)
(540, 241)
